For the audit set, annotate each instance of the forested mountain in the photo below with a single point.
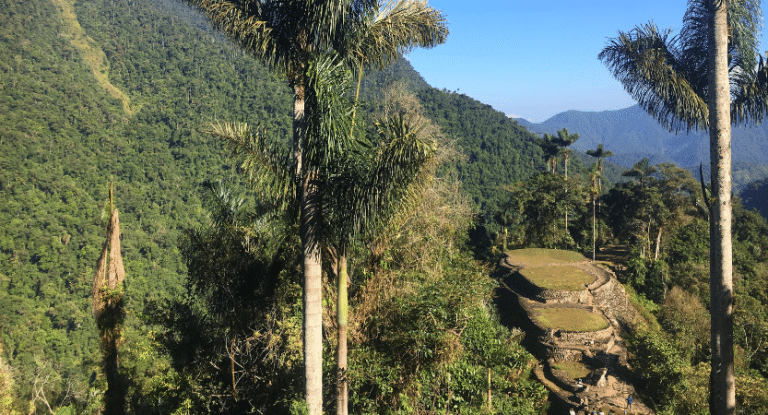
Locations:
(633, 134)
(498, 150)
(93, 92)
(120, 91)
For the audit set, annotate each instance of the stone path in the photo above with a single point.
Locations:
(611, 379)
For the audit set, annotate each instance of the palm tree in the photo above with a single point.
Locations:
(108, 310)
(564, 140)
(505, 218)
(288, 36)
(367, 191)
(551, 148)
(642, 171)
(708, 77)
(601, 154)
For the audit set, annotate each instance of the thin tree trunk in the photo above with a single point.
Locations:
(658, 244)
(232, 367)
(722, 376)
(648, 237)
(504, 239)
(594, 230)
(342, 311)
(565, 162)
(490, 406)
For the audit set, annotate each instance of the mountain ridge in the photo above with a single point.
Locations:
(633, 134)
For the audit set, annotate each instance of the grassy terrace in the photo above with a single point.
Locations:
(541, 256)
(569, 319)
(575, 370)
(558, 277)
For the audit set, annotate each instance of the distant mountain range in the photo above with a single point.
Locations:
(631, 131)
(633, 134)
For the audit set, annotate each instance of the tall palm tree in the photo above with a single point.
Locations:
(365, 193)
(288, 36)
(108, 310)
(708, 77)
(601, 154)
(564, 140)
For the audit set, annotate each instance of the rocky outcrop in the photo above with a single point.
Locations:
(610, 380)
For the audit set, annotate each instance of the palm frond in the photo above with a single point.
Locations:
(750, 90)
(745, 24)
(371, 186)
(268, 166)
(330, 121)
(645, 61)
(391, 29)
(668, 75)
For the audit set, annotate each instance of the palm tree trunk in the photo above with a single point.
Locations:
(308, 188)
(313, 321)
(565, 162)
(342, 310)
(299, 122)
(722, 376)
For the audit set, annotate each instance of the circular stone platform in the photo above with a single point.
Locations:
(558, 277)
(541, 256)
(569, 319)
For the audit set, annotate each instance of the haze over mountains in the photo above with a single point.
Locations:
(633, 134)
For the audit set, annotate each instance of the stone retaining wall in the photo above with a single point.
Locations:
(565, 297)
(612, 299)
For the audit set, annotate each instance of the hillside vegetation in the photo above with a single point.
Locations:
(101, 92)
(121, 92)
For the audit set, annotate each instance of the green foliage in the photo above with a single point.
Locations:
(662, 365)
(542, 202)
(498, 150)
(690, 243)
(435, 346)
(63, 136)
(234, 336)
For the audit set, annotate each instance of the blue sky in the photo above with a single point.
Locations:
(536, 58)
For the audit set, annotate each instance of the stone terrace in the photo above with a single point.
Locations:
(602, 351)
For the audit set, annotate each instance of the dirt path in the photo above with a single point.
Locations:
(605, 377)
(92, 54)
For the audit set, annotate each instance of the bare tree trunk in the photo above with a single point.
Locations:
(658, 244)
(342, 311)
(722, 376)
(490, 406)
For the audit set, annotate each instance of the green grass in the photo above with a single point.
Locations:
(575, 370)
(569, 319)
(541, 256)
(558, 277)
